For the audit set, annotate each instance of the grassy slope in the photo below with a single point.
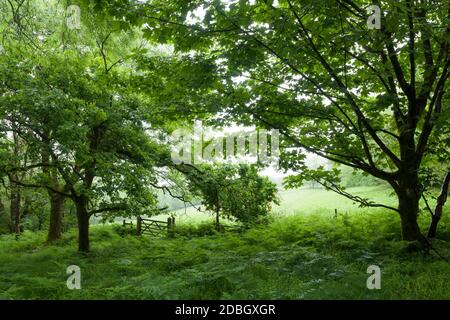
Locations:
(295, 257)
(303, 201)
(322, 201)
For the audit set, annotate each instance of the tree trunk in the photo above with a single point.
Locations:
(57, 200)
(217, 219)
(2, 207)
(15, 207)
(26, 209)
(56, 216)
(217, 210)
(436, 217)
(15, 191)
(408, 187)
(408, 192)
(433, 226)
(83, 224)
(409, 209)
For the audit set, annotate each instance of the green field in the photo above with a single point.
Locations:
(297, 256)
(301, 201)
(305, 201)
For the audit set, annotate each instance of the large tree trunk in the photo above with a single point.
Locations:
(56, 216)
(15, 207)
(57, 200)
(409, 210)
(408, 187)
(83, 224)
(409, 193)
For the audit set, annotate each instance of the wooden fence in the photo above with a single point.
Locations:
(155, 228)
(159, 228)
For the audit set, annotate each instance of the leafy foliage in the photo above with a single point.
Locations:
(237, 192)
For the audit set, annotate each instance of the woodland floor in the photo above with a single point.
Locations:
(311, 256)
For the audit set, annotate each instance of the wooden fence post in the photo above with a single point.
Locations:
(170, 226)
(139, 226)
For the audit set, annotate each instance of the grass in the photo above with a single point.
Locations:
(299, 201)
(310, 256)
(321, 201)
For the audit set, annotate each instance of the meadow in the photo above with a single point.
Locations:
(299, 201)
(306, 254)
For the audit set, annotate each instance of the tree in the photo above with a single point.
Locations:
(211, 184)
(22, 33)
(250, 197)
(86, 132)
(370, 99)
(89, 113)
(236, 192)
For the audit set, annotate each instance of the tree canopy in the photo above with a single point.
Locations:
(88, 108)
(371, 99)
